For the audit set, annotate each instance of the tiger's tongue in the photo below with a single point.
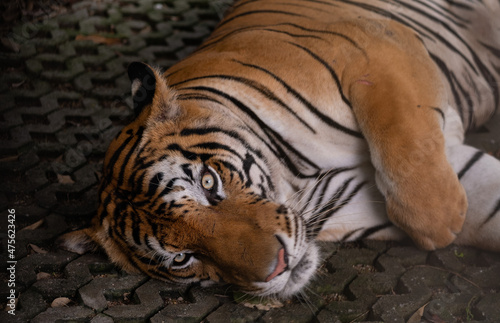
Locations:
(280, 266)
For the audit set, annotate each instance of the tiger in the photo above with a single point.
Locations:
(297, 122)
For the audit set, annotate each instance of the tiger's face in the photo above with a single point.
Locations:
(186, 200)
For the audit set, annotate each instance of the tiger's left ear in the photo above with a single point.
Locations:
(149, 89)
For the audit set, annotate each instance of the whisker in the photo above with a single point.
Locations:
(336, 206)
(308, 302)
(306, 192)
(311, 211)
(337, 217)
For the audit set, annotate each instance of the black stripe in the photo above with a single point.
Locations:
(126, 250)
(260, 27)
(492, 214)
(453, 17)
(233, 169)
(478, 62)
(161, 210)
(429, 30)
(350, 40)
(274, 12)
(290, 34)
(168, 188)
(349, 235)
(279, 152)
(320, 219)
(216, 146)
(103, 206)
(120, 217)
(152, 264)
(329, 68)
(470, 163)
(325, 185)
(117, 153)
(469, 119)
(136, 230)
(308, 105)
(484, 71)
(246, 161)
(154, 183)
(451, 81)
(137, 183)
(443, 40)
(172, 204)
(493, 50)
(256, 86)
(377, 10)
(490, 79)
(351, 195)
(141, 203)
(138, 136)
(232, 134)
(433, 18)
(298, 233)
(187, 154)
(331, 174)
(375, 229)
(247, 164)
(441, 113)
(210, 42)
(196, 97)
(186, 168)
(460, 5)
(333, 201)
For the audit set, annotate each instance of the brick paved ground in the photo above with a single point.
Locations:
(64, 94)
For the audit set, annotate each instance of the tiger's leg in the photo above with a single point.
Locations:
(397, 97)
(365, 216)
(479, 173)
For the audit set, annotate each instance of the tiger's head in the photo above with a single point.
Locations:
(185, 198)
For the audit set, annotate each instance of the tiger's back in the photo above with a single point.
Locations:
(462, 39)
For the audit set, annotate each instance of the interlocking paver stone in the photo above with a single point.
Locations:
(296, 313)
(101, 318)
(488, 307)
(64, 314)
(202, 304)
(32, 303)
(149, 302)
(234, 314)
(94, 294)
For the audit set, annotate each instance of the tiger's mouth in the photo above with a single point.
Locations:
(296, 263)
(281, 265)
(291, 273)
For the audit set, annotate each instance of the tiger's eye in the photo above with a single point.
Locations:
(208, 181)
(180, 258)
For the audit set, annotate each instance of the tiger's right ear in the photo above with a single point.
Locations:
(149, 87)
(78, 241)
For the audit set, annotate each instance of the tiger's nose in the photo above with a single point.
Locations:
(281, 264)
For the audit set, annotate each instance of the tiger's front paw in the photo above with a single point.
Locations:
(430, 207)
